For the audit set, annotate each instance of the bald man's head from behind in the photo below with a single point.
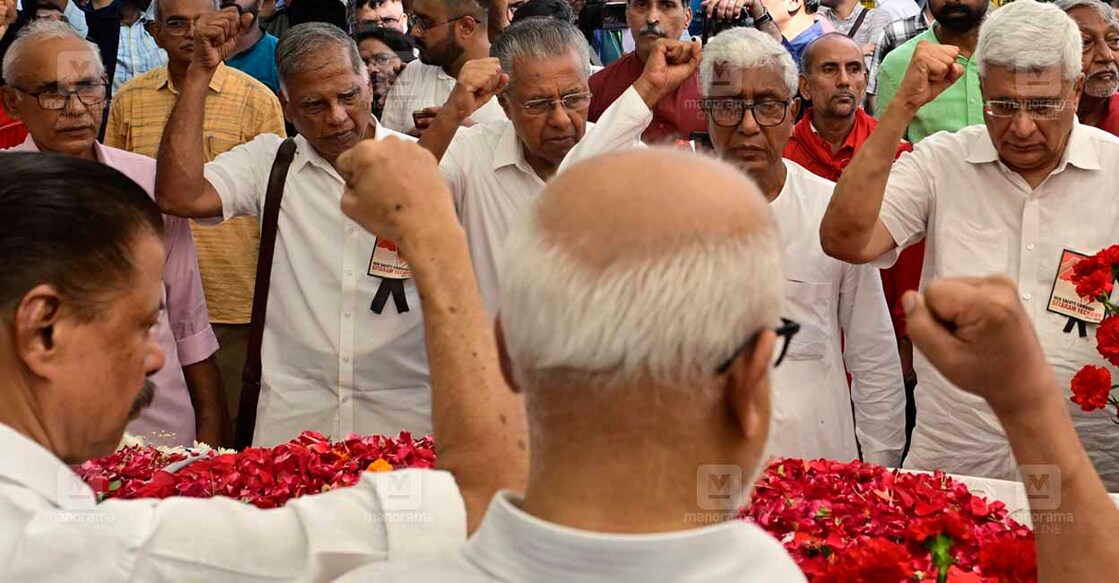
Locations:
(623, 300)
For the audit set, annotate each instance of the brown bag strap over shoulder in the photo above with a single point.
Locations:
(858, 23)
(251, 374)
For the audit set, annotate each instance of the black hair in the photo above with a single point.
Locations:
(70, 223)
(558, 9)
(399, 42)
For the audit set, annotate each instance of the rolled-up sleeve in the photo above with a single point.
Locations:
(871, 356)
(240, 177)
(186, 305)
(619, 128)
(907, 202)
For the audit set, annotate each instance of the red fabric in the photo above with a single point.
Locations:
(675, 117)
(808, 149)
(1110, 122)
(12, 132)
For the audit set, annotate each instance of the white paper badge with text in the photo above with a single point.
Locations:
(387, 262)
(1065, 301)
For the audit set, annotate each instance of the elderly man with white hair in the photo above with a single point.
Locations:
(1099, 33)
(539, 74)
(1022, 195)
(749, 83)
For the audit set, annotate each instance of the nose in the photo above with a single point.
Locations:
(337, 113)
(653, 16)
(74, 106)
(844, 78)
(1023, 125)
(559, 115)
(154, 359)
(1104, 54)
(749, 124)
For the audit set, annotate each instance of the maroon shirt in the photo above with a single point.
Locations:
(674, 118)
(1109, 123)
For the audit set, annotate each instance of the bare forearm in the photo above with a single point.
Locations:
(438, 136)
(479, 421)
(207, 395)
(179, 178)
(1076, 539)
(852, 214)
(771, 29)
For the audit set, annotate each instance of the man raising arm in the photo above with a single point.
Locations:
(851, 230)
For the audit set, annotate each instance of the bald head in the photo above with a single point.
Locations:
(625, 273)
(600, 200)
(829, 44)
(833, 76)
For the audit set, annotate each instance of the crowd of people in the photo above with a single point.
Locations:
(581, 271)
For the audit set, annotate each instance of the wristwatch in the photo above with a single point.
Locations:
(764, 18)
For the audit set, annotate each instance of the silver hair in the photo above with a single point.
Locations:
(741, 49)
(1029, 36)
(35, 34)
(670, 315)
(306, 41)
(540, 38)
(1106, 12)
(157, 14)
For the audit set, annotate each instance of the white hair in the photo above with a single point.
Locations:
(157, 12)
(540, 38)
(1029, 36)
(670, 315)
(1106, 13)
(742, 49)
(309, 42)
(33, 35)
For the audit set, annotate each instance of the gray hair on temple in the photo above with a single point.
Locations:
(40, 31)
(540, 38)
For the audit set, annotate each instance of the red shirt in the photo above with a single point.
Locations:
(674, 118)
(1110, 122)
(808, 149)
(12, 132)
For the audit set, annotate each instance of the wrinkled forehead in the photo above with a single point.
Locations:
(1004, 83)
(1089, 19)
(763, 80)
(59, 62)
(565, 71)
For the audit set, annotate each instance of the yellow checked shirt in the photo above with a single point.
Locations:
(238, 108)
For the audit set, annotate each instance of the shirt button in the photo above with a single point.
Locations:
(345, 359)
(1029, 247)
(349, 272)
(345, 399)
(348, 314)
(1026, 296)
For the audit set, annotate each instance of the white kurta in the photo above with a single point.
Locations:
(420, 86)
(52, 529)
(330, 363)
(512, 546)
(980, 218)
(493, 185)
(832, 301)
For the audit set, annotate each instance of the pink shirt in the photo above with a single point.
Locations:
(184, 330)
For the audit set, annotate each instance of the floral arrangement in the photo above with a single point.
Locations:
(1094, 278)
(264, 477)
(848, 522)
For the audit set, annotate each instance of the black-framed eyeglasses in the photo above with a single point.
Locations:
(422, 23)
(386, 22)
(728, 112)
(785, 333)
(383, 59)
(55, 98)
(570, 102)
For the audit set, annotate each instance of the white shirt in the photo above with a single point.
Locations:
(419, 86)
(493, 185)
(980, 218)
(330, 363)
(52, 529)
(832, 301)
(514, 546)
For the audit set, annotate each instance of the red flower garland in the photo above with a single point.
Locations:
(1094, 278)
(1091, 387)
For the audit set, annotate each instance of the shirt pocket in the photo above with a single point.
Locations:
(965, 250)
(808, 304)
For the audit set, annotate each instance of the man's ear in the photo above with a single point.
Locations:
(793, 6)
(794, 108)
(10, 97)
(747, 386)
(36, 327)
(153, 29)
(503, 356)
(802, 85)
(468, 27)
(287, 107)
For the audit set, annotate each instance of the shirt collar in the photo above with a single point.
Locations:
(512, 545)
(31, 465)
(1079, 150)
(162, 79)
(103, 154)
(510, 151)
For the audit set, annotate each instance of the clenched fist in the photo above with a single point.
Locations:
(478, 82)
(394, 189)
(216, 34)
(7, 15)
(670, 63)
(932, 70)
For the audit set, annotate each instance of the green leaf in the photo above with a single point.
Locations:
(115, 485)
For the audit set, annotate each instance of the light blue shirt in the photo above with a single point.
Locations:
(137, 53)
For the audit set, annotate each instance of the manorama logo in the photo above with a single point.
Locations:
(1043, 485)
(718, 486)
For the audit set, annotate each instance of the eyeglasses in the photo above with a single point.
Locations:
(181, 26)
(570, 102)
(728, 112)
(422, 23)
(55, 98)
(387, 22)
(785, 333)
(383, 59)
(1037, 109)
